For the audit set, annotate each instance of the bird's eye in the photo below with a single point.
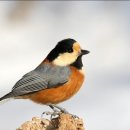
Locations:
(70, 50)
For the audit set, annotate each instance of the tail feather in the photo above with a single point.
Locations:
(6, 96)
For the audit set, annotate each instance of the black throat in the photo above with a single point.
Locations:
(78, 63)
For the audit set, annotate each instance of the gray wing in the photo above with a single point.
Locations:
(43, 77)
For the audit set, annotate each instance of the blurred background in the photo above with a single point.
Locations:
(29, 30)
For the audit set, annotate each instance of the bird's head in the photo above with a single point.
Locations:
(66, 52)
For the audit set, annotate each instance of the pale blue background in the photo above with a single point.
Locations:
(29, 30)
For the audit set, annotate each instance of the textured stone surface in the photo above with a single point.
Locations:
(63, 122)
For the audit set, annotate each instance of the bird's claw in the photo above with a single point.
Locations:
(47, 113)
(56, 108)
(74, 116)
(52, 114)
(57, 111)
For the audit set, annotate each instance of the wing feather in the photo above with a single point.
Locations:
(41, 78)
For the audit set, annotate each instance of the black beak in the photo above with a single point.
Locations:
(84, 52)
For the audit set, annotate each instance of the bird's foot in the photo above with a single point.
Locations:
(56, 111)
(62, 110)
(74, 116)
(52, 114)
(56, 108)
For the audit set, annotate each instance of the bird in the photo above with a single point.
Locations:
(56, 79)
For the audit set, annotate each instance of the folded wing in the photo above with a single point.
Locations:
(43, 77)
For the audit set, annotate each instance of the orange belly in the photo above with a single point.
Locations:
(59, 93)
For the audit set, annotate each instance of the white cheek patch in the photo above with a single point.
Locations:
(65, 59)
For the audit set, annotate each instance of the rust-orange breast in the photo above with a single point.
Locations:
(59, 93)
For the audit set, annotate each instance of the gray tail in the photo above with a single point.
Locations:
(6, 96)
